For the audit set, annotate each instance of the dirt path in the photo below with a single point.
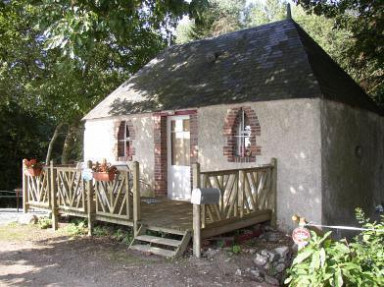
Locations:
(33, 257)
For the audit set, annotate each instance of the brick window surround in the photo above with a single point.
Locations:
(125, 138)
(230, 128)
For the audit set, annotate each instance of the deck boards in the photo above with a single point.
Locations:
(166, 213)
(178, 215)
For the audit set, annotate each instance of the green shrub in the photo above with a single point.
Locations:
(44, 222)
(324, 262)
(77, 227)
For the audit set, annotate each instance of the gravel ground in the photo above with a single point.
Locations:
(8, 215)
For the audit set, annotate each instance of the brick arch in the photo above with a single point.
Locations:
(229, 131)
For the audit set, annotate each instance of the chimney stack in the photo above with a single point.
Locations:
(289, 15)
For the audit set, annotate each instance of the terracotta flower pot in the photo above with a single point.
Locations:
(104, 176)
(34, 171)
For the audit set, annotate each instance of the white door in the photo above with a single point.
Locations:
(179, 170)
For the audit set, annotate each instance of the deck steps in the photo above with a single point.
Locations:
(164, 242)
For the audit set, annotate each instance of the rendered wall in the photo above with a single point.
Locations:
(290, 132)
(100, 141)
(353, 159)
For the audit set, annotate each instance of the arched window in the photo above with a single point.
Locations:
(240, 129)
(125, 136)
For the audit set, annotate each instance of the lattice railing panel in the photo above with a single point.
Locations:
(39, 189)
(114, 198)
(243, 191)
(70, 189)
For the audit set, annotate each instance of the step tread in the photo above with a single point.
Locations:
(154, 250)
(159, 240)
(166, 230)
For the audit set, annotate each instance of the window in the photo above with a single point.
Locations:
(240, 130)
(124, 141)
(180, 142)
(242, 146)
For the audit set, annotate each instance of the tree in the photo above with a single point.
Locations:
(365, 20)
(62, 57)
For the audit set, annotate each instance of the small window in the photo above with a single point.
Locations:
(124, 146)
(240, 129)
(242, 147)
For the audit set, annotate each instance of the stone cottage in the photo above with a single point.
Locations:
(239, 100)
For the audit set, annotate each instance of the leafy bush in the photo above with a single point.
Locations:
(78, 227)
(44, 222)
(324, 262)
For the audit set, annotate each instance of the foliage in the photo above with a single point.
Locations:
(23, 133)
(236, 249)
(44, 222)
(32, 163)
(324, 262)
(365, 20)
(76, 228)
(124, 236)
(104, 167)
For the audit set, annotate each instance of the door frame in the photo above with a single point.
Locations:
(184, 169)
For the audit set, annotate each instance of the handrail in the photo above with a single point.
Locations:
(225, 171)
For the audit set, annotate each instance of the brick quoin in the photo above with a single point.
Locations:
(229, 131)
(160, 139)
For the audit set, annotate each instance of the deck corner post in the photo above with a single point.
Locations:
(91, 207)
(136, 197)
(274, 192)
(25, 188)
(196, 213)
(53, 194)
(240, 193)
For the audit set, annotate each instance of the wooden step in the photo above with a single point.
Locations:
(158, 240)
(154, 250)
(165, 230)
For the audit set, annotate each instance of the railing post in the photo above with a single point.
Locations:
(90, 202)
(196, 213)
(136, 196)
(25, 189)
(55, 211)
(274, 192)
(240, 193)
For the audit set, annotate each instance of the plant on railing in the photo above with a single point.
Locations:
(33, 166)
(104, 171)
(324, 262)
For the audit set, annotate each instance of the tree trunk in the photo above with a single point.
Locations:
(69, 144)
(52, 141)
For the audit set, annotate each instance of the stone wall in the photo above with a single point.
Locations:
(353, 159)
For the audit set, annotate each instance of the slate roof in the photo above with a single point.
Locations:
(270, 62)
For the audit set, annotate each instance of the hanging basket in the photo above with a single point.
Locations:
(34, 171)
(104, 176)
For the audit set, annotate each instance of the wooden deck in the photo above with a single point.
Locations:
(165, 213)
(178, 215)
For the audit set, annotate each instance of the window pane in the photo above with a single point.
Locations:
(243, 136)
(180, 145)
(186, 125)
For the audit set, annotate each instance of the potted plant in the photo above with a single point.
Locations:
(104, 171)
(33, 166)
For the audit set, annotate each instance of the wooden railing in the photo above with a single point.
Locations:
(243, 191)
(64, 190)
(246, 192)
(38, 188)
